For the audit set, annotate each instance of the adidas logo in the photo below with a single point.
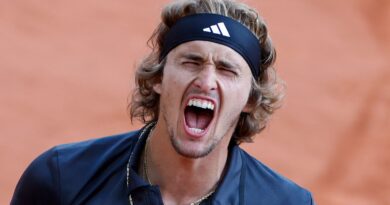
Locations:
(219, 29)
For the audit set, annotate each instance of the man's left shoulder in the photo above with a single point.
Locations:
(270, 185)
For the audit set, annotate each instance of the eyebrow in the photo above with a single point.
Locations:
(200, 58)
(192, 56)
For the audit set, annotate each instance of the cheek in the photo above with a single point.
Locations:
(176, 79)
(235, 97)
(170, 82)
(173, 86)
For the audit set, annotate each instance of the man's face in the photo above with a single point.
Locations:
(204, 88)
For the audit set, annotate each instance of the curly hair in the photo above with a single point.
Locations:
(267, 90)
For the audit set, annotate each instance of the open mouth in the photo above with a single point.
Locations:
(198, 115)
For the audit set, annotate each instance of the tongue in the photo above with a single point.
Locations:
(198, 118)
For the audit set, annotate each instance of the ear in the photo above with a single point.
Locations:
(157, 88)
(248, 108)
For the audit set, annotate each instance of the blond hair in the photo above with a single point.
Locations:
(267, 90)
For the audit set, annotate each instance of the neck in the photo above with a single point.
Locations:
(182, 180)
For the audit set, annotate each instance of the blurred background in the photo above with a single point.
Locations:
(66, 72)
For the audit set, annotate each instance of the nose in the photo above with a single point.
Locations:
(206, 79)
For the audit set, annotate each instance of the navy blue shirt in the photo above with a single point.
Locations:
(95, 172)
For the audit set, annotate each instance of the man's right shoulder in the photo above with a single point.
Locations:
(49, 174)
(127, 139)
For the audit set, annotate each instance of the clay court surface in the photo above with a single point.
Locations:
(66, 71)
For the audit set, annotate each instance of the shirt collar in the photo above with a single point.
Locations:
(133, 180)
(230, 188)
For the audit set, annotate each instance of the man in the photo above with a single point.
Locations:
(207, 86)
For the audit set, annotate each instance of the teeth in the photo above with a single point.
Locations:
(196, 130)
(205, 104)
(198, 103)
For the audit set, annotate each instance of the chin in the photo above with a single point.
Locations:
(193, 150)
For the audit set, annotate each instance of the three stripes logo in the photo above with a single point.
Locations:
(219, 29)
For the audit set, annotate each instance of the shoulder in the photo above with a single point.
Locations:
(94, 153)
(50, 173)
(270, 185)
(97, 148)
(40, 175)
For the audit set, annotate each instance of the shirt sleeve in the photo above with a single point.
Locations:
(40, 182)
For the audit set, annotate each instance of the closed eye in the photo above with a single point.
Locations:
(228, 67)
(228, 71)
(191, 62)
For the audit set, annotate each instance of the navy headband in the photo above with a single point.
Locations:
(215, 28)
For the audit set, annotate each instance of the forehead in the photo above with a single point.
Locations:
(208, 49)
